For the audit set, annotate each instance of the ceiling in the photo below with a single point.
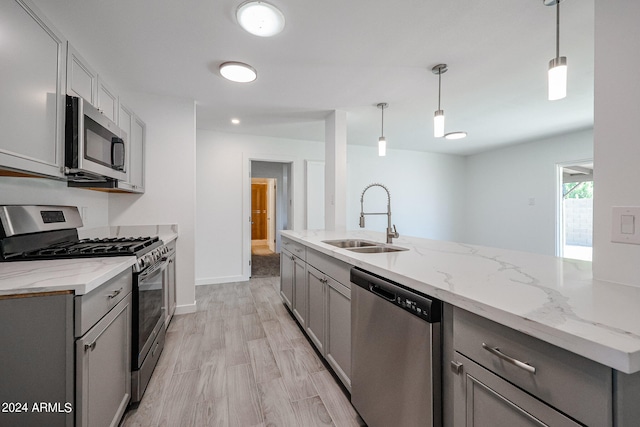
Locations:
(350, 56)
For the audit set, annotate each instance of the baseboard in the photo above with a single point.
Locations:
(218, 280)
(185, 309)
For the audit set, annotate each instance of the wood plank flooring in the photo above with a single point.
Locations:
(240, 360)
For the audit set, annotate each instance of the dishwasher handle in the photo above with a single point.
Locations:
(381, 292)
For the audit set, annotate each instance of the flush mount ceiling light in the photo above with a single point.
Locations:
(235, 121)
(456, 135)
(238, 72)
(438, 117)
(558, 65)
(382, 142)
(260, 18)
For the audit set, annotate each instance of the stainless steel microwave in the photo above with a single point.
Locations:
(95, 147)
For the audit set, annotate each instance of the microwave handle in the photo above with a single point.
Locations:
(117, 141)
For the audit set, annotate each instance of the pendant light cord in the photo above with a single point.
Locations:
(439, 86)
(557, 28)
(382, 108)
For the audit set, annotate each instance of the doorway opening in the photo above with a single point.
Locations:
(270, 212)
(575, 230)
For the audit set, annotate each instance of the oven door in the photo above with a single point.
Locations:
(147, 320)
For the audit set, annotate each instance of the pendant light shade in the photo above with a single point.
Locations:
(382, 141)
(558, 65)
(438, 117)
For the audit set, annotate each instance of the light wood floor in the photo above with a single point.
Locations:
(240, 360)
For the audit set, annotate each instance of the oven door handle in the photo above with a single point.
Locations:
(150, 270)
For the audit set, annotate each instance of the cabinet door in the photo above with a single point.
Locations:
(300, 294)
(103, 369)
(339, 330)
(32, 103)
(82, 80)
(316, 283)
(137, 143)
(107, 101)
(482, 399)
(286, 278)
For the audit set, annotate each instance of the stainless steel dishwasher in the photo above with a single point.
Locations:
(395, 353)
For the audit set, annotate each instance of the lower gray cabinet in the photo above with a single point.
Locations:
(315, 329)
(483, 399)
(338, 346)
(300, 290)
(286, 278)
(169, 284)
(103, 368)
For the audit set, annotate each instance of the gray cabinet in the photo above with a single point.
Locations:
(316, 285)
(107, 100)
(103, 352)
(103, 368)
(504, 376)
(300, 290)
(135, 129)
(36, 359)
(338, 342)
(82, 80)
(32, 105)
(286, 278)
(483, 399)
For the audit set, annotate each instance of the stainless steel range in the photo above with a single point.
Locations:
(50, 232)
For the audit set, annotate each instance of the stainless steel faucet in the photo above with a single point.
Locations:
(390, 233)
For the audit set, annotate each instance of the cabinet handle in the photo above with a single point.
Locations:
(456, 367)
(114, 294)
(522, 365)
(91, 346)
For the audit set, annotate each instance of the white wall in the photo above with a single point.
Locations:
(426, 196)
(617, 151)
(222, 213)
(427, 191)
(169, 196)
(42, 191)
(501, 182)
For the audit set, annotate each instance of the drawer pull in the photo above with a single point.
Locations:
(114, 294)
(496, 352)
(456, 367)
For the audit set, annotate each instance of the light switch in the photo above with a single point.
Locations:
(623, 227)
(627, 224)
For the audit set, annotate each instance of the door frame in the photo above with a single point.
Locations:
(559, 238)
(247, 158)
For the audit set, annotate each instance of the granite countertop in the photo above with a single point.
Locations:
(80, 275)
(553, 299)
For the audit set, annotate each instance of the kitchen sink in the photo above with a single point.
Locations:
(351, 243)
(377, 249)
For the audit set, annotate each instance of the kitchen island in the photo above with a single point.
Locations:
(581, 335)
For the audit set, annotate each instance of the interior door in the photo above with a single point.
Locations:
(258, 211)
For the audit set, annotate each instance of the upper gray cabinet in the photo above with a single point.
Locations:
(135, 129)
(32, 104)
(82, 80)
(107, 100)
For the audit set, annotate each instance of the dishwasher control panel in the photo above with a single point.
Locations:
(427, 308)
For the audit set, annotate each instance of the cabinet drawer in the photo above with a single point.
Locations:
(330, 266)
(93, 306)
(295, 248)
(571, 383)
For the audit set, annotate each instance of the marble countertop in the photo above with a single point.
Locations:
(80, 275)
(553, 299)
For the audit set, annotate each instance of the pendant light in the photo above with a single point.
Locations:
(558, 65)
(382, 141)
(438, 117)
